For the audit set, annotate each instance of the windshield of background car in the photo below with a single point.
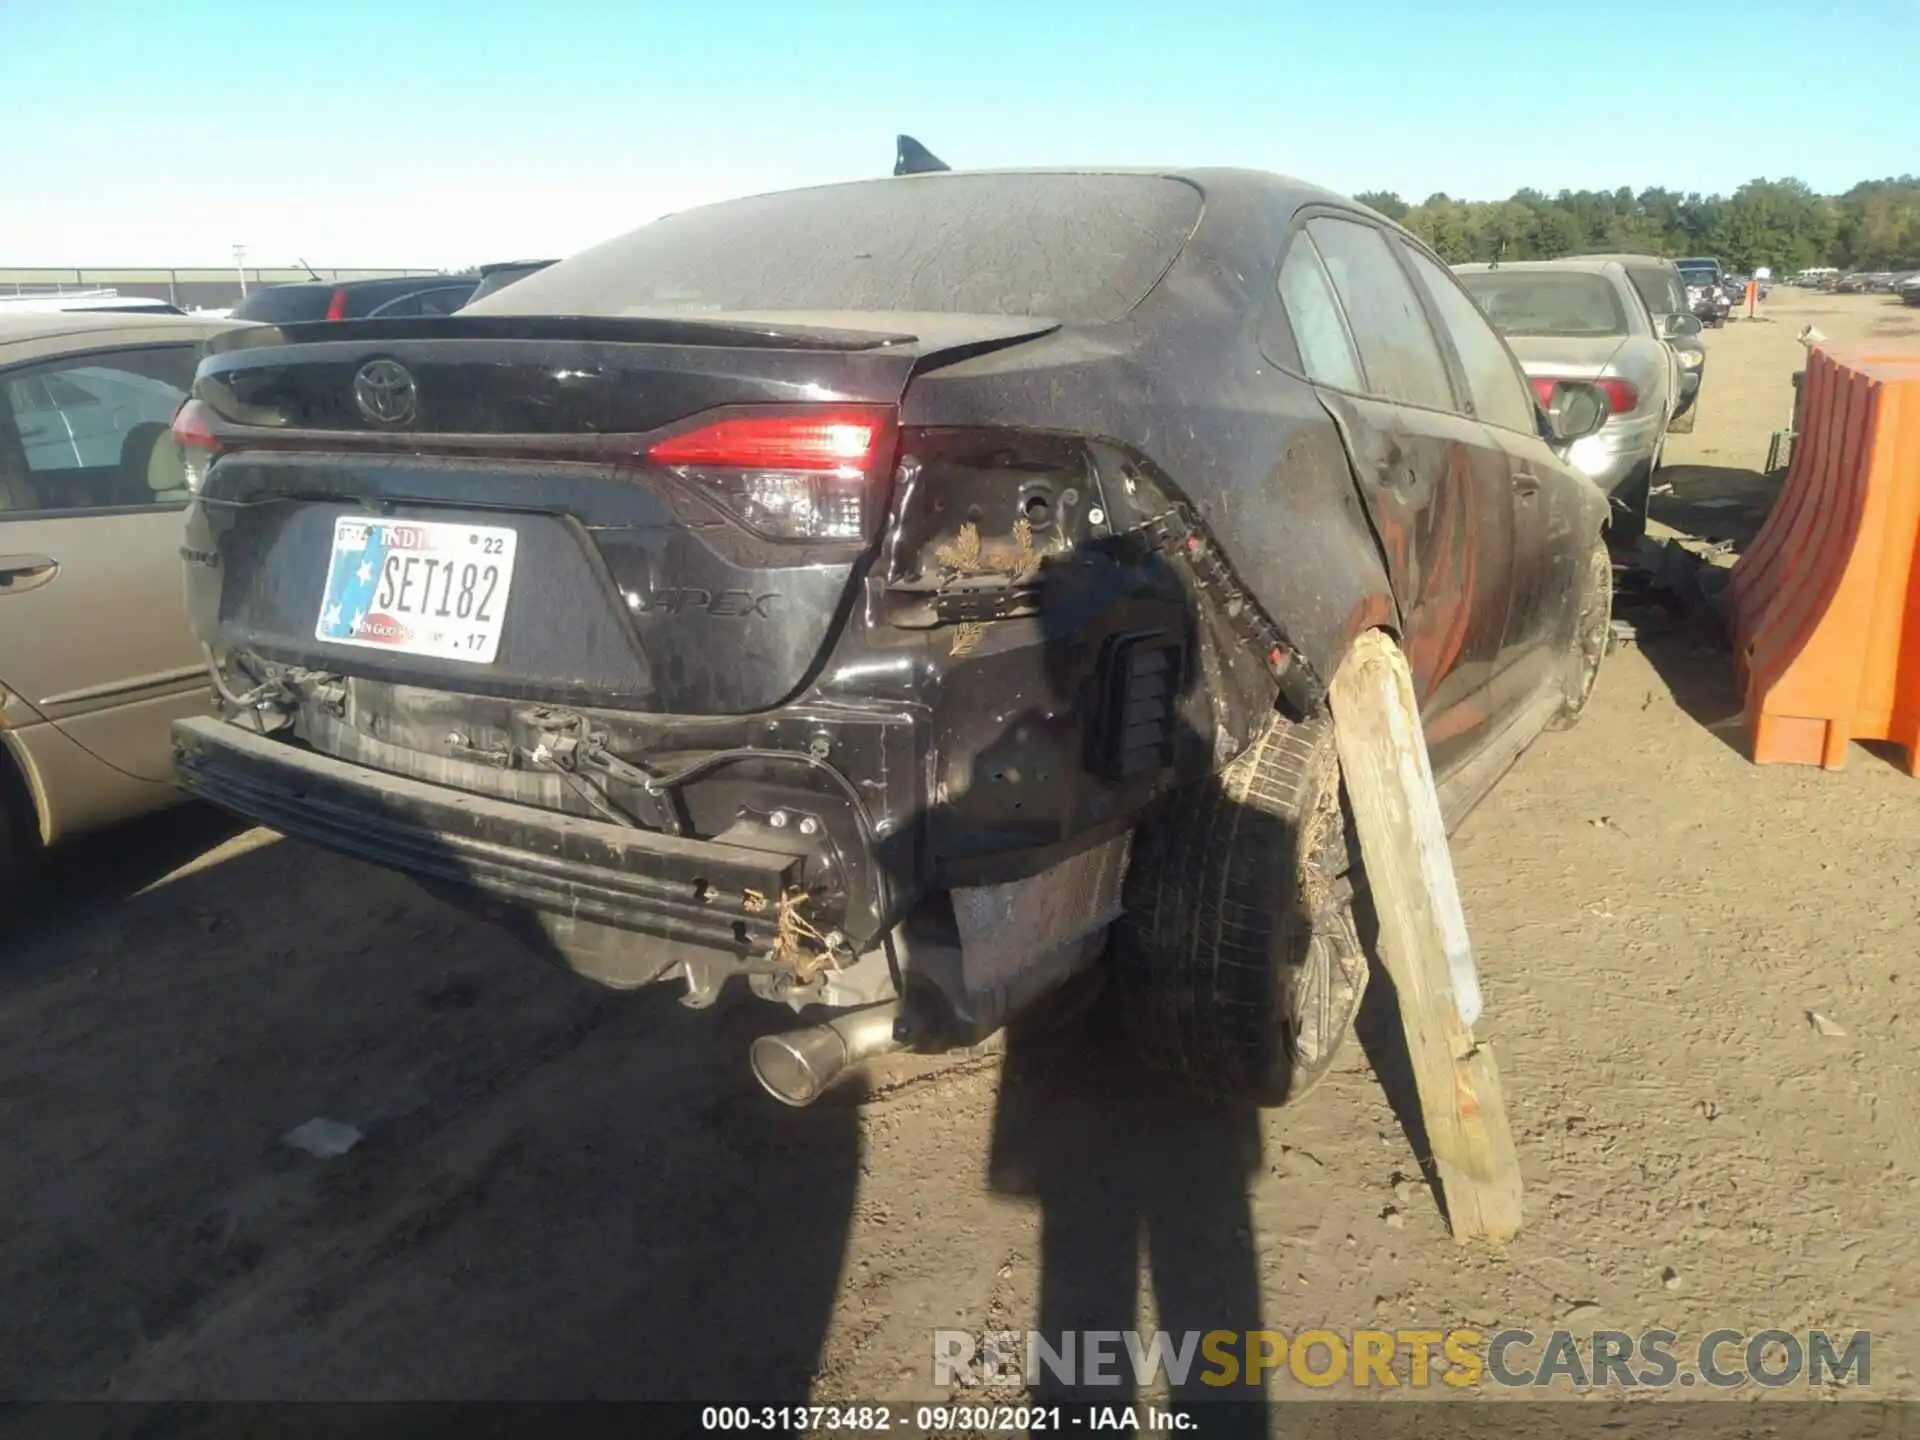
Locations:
(1699, 274)
(1545, 303)
(1081, 249)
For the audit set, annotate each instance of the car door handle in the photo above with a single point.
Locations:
(1526, 483)
(24, 572)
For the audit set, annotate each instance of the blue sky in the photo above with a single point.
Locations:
(405, 133)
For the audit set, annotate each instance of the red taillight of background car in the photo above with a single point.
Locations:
(1622, 395)
(816, 474)
(194, 435)
(337, 306)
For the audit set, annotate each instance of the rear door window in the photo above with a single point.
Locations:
(92, 432)
(1313, 312)
(1397, 347)
(68, 396)
(1500, 395)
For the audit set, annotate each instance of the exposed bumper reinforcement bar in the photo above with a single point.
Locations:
(631, 879)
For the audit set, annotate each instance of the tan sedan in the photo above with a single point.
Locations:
(95, 658)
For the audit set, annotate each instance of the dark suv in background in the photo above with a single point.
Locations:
(386, 298)
(1706, 281)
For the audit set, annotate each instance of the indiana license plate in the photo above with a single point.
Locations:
(418, 587)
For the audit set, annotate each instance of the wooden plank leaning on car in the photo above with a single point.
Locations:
(1422, 937)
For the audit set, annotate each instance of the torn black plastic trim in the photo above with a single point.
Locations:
(1179, 533)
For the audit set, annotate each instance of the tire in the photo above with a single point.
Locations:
(1593, 628)
(1683, 424)
(1236, 963)
(1627, 522)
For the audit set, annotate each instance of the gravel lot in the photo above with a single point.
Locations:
(567, 1193)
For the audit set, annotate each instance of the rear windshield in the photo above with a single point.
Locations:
(284, 304)
(1542, 303)
(1661, 289)
(1699, 272)
(1081, 249)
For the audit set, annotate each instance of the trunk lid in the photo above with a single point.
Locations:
(1566, 357)
(661, 512)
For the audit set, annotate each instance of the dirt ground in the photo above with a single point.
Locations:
(567, 1193)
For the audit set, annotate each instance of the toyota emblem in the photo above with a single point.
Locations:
(384, 391)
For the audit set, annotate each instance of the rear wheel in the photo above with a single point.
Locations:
(1593, 627)
(1237, 963)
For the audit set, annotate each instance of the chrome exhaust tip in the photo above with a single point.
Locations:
(799, 1066)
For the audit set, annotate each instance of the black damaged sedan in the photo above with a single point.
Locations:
(913, 600)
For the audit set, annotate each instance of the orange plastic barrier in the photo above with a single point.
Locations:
(1826, 604)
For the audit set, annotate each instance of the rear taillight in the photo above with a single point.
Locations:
(337, 306)
(1622, 395)
(812, 475)
(198, 447)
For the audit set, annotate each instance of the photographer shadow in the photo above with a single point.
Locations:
(1142, 1181)
(1137, 1177)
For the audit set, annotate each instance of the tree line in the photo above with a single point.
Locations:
(1782, 224)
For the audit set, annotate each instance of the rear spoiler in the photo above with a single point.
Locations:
(834, 330)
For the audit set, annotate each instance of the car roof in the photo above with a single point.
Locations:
(1239, 229)
(1218, 182)
(1621, 257)
(57, 324)
(1585, 264)
(1205, 176)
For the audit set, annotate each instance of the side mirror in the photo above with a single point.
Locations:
(1577, 410)
(1680, 327)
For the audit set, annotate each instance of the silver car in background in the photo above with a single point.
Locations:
(96, 661)
(1664, 290)
(1584, 320)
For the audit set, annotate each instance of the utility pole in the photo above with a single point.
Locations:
(239, 256)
